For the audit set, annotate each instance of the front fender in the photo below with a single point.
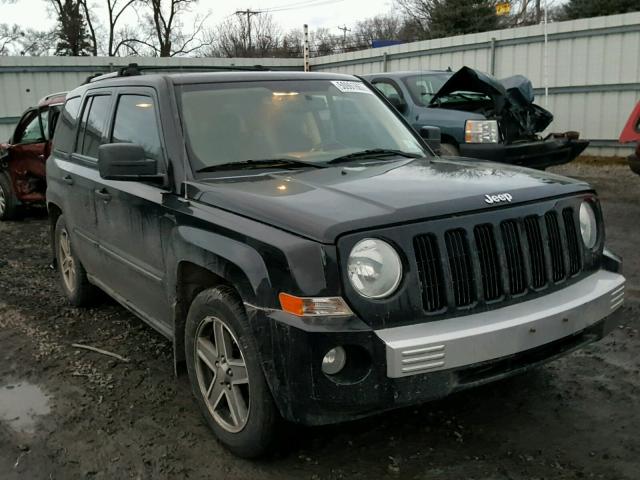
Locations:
(232, 260)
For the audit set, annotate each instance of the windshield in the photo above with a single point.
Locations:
(423, 87)
(314, 121)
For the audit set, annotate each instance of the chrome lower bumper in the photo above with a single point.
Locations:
(456, 342)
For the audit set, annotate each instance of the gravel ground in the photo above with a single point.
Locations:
(68, 413)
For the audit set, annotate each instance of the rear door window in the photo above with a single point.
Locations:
(135, 122)
(93, 125)
(65, 131)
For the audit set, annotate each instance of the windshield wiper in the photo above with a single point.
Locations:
(283, 162)
(373, 153)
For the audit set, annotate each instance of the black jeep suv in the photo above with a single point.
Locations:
(307, 254)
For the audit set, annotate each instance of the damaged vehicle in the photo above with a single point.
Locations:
(310, 259)
(631, 134)
(480, 116)
(23, 158)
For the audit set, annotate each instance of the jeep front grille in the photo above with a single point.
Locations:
(492, 262)
(489, 263)
(430, 272)
(514, 257)
(460, 267)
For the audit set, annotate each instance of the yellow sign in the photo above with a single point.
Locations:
(503, 8)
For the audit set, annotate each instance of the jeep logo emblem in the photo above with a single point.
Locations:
(501, 197)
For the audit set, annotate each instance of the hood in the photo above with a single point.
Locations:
(469, 80)
(511, 99)
(322, 204)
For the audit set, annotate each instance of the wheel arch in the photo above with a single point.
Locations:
(235, 265)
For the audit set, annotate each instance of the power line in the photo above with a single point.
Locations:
(297, 5)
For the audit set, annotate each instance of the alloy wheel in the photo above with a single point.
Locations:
(67, 263)
(222, 374)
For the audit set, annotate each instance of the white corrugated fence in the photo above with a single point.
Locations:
(591, 69)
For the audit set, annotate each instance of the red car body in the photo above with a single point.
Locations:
(631, 133)
(23, 158)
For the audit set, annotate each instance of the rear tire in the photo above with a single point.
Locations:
(73, 276)
(8, 201)
(226, 374)
(449, 150)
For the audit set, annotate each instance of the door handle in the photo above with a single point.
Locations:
(68, 179)
(41, 157)
(103, 194)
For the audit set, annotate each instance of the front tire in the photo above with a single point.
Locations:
(73, 276)
(8, 200)
(226, 376)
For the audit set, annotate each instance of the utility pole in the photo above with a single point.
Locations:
(249, 13)
(344, 35)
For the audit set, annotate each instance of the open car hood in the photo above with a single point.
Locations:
(512, 99)
(469, 80)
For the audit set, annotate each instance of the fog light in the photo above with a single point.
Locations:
(334, 361)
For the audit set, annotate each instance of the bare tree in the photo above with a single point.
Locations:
(236, 37)
(380, 27)
(167, 37)
(442, 18)
(37, 43)
(9, 37)
(115, 9)
(92, 30)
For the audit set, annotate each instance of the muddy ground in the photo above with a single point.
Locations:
(67, 413)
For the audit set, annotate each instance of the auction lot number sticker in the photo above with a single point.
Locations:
(346, 86)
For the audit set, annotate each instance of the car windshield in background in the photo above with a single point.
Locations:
(309, 121)
(423, 87)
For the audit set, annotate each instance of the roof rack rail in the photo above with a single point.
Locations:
(133, 69)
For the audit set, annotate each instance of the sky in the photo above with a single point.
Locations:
(288, 14)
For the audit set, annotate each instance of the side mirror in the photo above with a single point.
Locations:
(398, 103)
(126, 161)
(432, 136)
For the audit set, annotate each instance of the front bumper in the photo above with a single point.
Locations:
(480, 337)
(416, 363)
(537, 154)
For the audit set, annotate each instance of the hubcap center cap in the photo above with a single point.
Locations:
(223, 371)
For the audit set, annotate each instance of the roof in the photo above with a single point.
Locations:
(406, 73)
(180, 78)
(52, 99)
(157, 79)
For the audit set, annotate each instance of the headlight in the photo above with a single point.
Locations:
(481, 131)
(374, 268)
(588, 225)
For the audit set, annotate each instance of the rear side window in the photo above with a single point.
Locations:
(135, 122)
(64, 136)
(93, 124)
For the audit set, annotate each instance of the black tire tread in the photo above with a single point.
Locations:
(12, 202)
